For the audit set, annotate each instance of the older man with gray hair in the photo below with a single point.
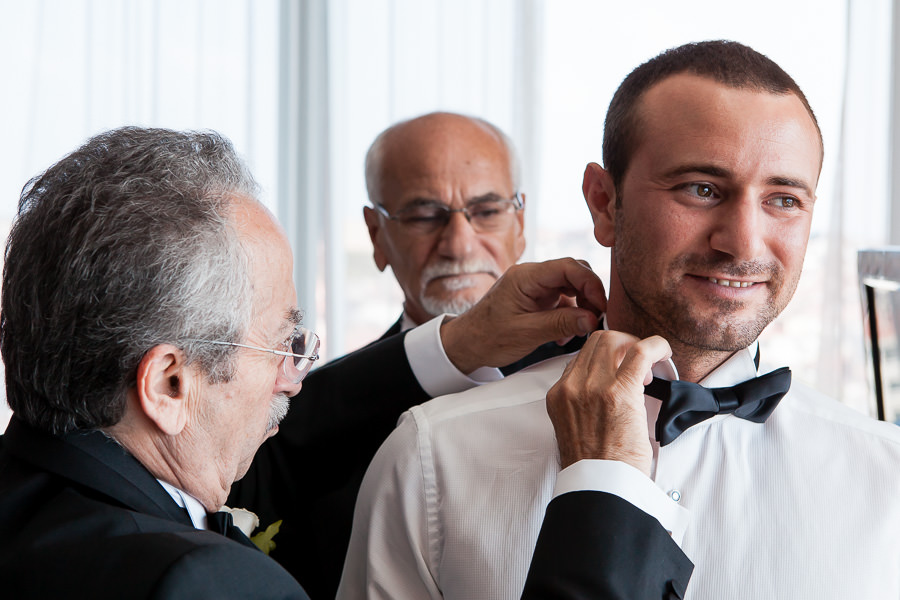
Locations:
(151, 339)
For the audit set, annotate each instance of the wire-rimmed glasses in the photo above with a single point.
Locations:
(485, 214)
(304, 346)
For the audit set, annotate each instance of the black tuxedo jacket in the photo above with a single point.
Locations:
(597, 546)
(81, 518)
(310, 473)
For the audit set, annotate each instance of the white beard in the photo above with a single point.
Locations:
(454, 304)
(278, 411)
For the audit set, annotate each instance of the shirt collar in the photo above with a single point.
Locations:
(195, 510)
(739, 367)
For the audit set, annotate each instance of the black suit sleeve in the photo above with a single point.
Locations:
(308, 474)
(595, 545)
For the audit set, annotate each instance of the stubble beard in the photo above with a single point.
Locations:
(714, 327)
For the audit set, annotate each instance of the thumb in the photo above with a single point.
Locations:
(641, 357)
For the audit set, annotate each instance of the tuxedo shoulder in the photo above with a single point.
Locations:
(528, 386)
(818, 410)
(164, 564)
(210, 565)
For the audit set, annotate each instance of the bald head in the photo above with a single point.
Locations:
(420, 138)
(440, 162)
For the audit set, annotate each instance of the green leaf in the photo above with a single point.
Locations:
(263, 539)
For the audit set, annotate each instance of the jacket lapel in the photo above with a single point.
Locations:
(394, 329)
(93, 460)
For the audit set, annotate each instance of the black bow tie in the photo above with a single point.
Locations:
(222, 522)
(685, 404)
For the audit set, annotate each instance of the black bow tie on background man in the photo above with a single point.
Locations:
(684, 404)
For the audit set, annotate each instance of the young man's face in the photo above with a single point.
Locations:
(713, 213)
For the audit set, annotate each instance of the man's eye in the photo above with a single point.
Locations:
(485, 211)
(420, 216)
(784, 201)
(703, 190)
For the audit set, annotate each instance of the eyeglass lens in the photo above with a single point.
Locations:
(306, 343)
(484, 216)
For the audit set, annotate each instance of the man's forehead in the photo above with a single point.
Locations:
(702, 112)
(676, 90)
(446, 174)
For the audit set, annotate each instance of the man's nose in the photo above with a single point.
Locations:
(458, 237)
(285, 386)
(739, 228)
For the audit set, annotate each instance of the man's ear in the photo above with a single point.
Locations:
(600, 195)
(164, 385)
(373, 223)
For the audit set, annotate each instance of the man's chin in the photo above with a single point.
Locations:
(722, 333)
(456, 305)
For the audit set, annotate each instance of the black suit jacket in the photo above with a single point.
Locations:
(597, 546)
(81, 518)
(310, 473)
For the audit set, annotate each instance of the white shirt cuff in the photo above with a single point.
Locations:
(628, 483)
(433, 370)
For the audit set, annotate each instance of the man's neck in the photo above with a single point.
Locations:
(201, 481)
(407, 322)
(693, 363)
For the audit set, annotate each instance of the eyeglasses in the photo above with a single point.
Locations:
(486, 215)
(304, 345)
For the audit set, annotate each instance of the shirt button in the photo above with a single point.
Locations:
(675, 495)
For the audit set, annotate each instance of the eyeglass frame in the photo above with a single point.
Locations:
(516, 200)
(283, 353)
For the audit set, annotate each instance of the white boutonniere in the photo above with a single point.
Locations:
(244, 519)
(247, 521)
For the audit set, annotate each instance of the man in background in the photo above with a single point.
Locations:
(447, 215)
(712, 155)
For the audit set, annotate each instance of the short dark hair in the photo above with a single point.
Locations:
(730, 63)
(122, 245)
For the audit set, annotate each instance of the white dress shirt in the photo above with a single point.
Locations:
(195, 510)
(430, 364)
(805, 506)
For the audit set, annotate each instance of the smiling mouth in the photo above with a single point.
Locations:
(730, 282)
